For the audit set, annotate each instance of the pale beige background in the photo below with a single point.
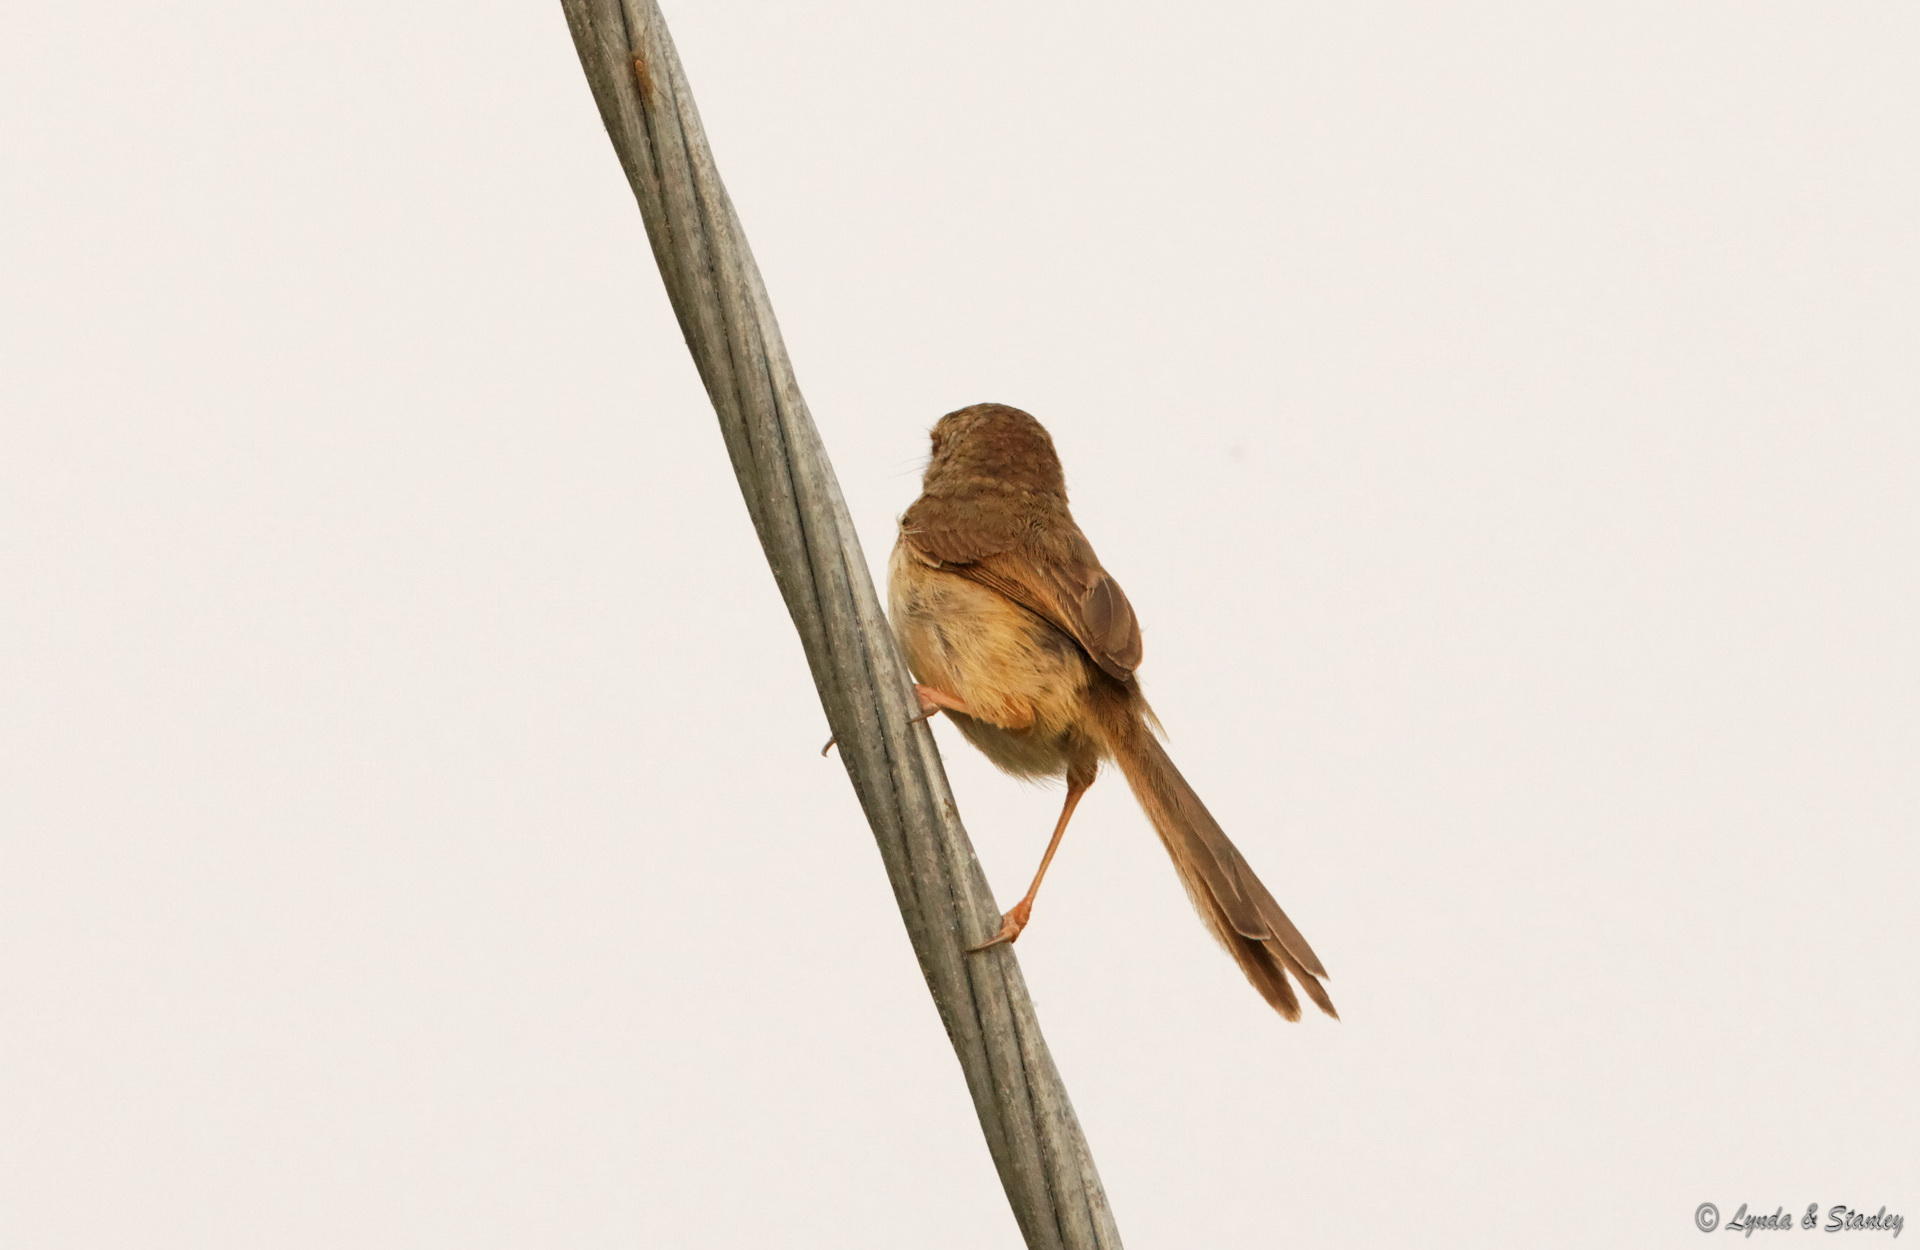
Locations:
(1502, 415)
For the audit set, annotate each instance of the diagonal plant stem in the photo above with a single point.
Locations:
(795, 502)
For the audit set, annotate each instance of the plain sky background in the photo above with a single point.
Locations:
(1502, 415)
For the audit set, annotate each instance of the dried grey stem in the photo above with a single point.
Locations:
(795, 503)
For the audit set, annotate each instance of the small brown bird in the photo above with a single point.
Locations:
(1014, 630)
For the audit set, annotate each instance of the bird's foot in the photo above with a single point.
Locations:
(932, 701)
(1010, 926)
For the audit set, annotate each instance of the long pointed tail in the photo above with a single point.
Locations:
(1226, 893)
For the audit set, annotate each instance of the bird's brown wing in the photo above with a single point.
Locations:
(1050, 571)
